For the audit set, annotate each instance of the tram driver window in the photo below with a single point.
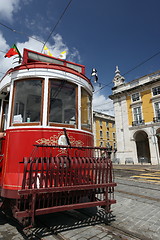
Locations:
(62, 108)
(27, 101)
(4, 111)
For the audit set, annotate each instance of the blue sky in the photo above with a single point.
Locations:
(96, 33)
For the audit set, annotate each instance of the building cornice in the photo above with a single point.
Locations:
(135, 84)
(103, 116)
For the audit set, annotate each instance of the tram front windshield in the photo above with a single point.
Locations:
(62, 102)
(27, 101)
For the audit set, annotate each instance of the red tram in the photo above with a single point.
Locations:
(47, 159)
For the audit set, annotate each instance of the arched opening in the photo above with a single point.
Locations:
(142, 145)
(158, 138)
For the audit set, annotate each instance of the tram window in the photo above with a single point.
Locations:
(27, 101)
(4, 116)
(62, 107)
(86, 110)
(19, 108)
(33, 108)
(55, 104)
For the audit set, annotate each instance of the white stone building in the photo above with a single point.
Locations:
(137, 118)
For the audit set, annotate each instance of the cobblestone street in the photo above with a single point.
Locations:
(137, 213)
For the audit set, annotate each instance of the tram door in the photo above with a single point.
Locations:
(3, 124)
(4, 103)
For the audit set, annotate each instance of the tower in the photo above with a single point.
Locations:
(118, 79)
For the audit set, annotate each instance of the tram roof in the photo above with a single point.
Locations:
(30, 56)
(32, 59)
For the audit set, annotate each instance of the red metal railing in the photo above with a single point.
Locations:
(52, 184)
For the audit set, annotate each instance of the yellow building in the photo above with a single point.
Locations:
(104, 130)
(137, 117)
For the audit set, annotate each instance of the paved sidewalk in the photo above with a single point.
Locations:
(144, 173)
(140, 215)
(138, 167)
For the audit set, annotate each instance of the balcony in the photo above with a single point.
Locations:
(156, 119)
(138, 122)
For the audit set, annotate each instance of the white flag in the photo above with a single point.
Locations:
(47, 50)
(63, 55)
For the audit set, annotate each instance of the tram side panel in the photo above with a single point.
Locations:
(19, 143)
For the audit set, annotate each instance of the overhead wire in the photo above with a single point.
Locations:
(22, 33)
(103, 87)
(145, 109)
(103, 104)
(56, 24)
(132, 69)
(44, 43)
(2, 51)
(141, 63)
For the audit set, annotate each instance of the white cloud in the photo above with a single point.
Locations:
(7, 63)
(74, 54)
(8, 8)
(27, 2)
(32, 44)
(3, 43)
(58, 47)
(4, 64)
(101, 103)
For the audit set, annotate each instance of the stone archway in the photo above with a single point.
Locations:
(142, 145)
(158, 138)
